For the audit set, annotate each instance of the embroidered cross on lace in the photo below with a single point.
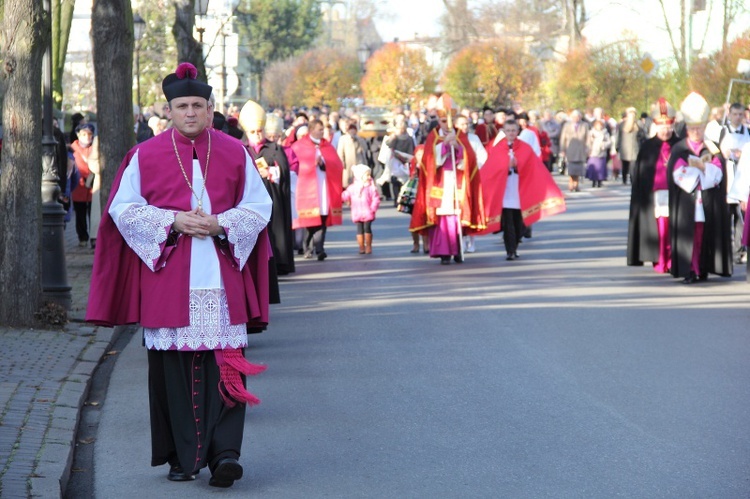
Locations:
(209, 327)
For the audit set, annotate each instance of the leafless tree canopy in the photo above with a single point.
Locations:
(541, 22)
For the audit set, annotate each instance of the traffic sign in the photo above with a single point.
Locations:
(648, 65)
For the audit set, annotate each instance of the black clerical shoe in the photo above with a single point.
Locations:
(690, 279)
(458, 259)
(322, 256)
(510, 257)
(177, 474)
(445, 260)
(226, 472)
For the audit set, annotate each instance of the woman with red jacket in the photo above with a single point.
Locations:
(82, 194)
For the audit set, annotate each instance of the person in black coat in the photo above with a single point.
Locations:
(648, 227)
(273, 166)
(698, 211)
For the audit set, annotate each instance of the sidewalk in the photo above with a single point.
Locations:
(44, 380)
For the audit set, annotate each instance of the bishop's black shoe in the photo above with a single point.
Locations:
(226, 472)
(445, 260)
(510, 256)
(458, 259)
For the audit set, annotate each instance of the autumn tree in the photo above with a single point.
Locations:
(321, 76)
(397, 75)
(608, 76)
(277, 29)
(112, 45)
(25, 33)
(277, 82)
(710, 76)
(495, 73)
(158, 49)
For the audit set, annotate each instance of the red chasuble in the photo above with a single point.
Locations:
(539, 194)
(125, 291)
(308, 203)
(430, 188)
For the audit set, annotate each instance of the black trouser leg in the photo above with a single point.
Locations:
(319, 236)
(83, 211)
(513, 229)
(625, 171)
(395, 189)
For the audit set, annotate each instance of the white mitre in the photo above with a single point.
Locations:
(695, 110)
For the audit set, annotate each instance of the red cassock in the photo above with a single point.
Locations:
(486, 133)
(430, 188)
(308, 202)
(539, 194)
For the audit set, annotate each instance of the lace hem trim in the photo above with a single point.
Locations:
(209, 327)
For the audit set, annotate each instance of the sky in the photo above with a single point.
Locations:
(608, 20)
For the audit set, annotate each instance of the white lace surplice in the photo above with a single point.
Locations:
(146, 227)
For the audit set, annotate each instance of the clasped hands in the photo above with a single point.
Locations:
(451, 139)
(197, 223)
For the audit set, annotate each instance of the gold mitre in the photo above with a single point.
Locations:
(252, 116)
(274, 125)
(695, 109)
(662, 112)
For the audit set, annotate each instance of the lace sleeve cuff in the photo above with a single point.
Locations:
(242, 227)
(145, 229)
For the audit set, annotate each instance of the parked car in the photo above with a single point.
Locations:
(374, 122)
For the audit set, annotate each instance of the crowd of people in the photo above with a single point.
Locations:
(205, 213)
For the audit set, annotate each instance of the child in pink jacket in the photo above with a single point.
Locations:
(364, 199)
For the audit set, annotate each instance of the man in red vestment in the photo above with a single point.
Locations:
(518, 189)
(486, 131)
(177, 253)
(318, 189)
(448, 193)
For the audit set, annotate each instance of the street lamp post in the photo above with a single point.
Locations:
(55, 287)
(201, 9)
(139, 29)
(231, 5)
(363, 53)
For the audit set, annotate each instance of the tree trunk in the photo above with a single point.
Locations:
(112, 47)
(684, 59)
(575, 20)
(25, 32)
(62, 19)
(188, 48)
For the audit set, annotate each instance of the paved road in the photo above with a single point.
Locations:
(562, 374)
